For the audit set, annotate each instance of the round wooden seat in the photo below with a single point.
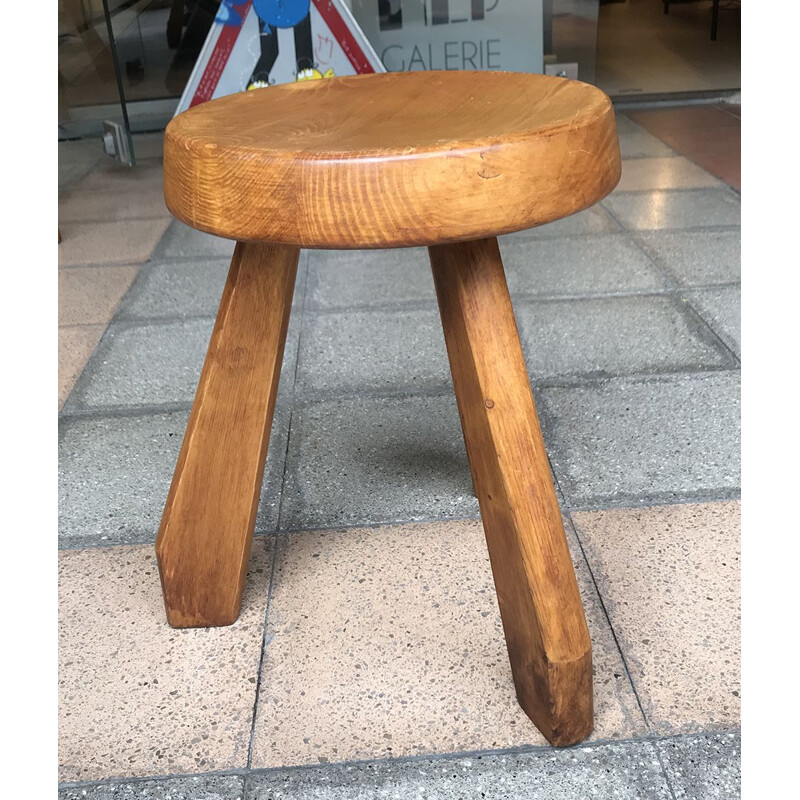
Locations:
(391, 160)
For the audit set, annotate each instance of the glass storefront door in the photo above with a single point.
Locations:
(124, 63)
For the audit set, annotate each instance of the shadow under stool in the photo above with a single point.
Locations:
(449, 160)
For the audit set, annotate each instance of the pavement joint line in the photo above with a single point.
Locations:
(721, 342)
(134, 217)
(292, 393)
(721, 188)
(72, 543)
(134, 289)
(100, 265)
(716, 494)
(124, 317)
(247, 772)
(120, 411)
(303, 400)
(127, 323)
(68, 543)
(610, 624)
(73, 326)
(144, 320)
(620, 651)
(639, 245)
(264, 644)
(649, 501)
(676, 286)
(640, 232)
(223, 773)
(528, 298)
(613, 216)
(159, 258)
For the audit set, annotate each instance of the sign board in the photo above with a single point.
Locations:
(256, 43)
(454, 34)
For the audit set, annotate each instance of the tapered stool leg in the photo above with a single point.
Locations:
(545, 628)
(206, 531)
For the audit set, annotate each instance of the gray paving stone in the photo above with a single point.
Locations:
(115, 472)
(696, 258)
(575, 266)
(628, 441)
(601, 337)
(590, 222)
(206, 787)
(383, 350)
(180, 289)
(628, 771)
(403, 350)
(181, 241)
(137, 365)
(176, 289)
(690, 208)
(704, 767)
(636, 142)
(142, 365)
(367, 278)
(545, 266)
(722, 309)
(363, 461)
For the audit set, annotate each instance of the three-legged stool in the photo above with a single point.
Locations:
(444, 159)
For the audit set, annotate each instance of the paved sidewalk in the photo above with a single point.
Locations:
(369, 659)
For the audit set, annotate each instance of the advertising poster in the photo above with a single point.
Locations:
(257, 43)
(454, 34)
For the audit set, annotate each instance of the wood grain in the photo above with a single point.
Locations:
(545, 628)
(207, 527)
(391, 160)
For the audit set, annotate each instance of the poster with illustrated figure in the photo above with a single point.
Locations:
(454, 34)
(257, 43)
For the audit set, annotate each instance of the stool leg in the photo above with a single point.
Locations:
(207, 527)
(545, 628)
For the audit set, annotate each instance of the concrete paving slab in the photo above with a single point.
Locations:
(695, 208)
(387, 642)
(601, 337)
(641, 174)
(206, 787)
(703, 767)
(628, 441)
(669, 579)
(611, 772)
(371, 460)
(381, 350)
(696, 258)
(578, 266)
(115, 472)
(137, 697)
(721, 308)
(139, 365)
(368, 278)
(181, 241)
(590, 222)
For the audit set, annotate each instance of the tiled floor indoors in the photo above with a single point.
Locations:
(369, 659)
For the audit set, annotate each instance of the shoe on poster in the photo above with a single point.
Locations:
(258, 43)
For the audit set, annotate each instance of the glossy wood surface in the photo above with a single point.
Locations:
(391, 160)
(207, 527)
(545, 628)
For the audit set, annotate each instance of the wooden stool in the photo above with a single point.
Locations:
(444, 159)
